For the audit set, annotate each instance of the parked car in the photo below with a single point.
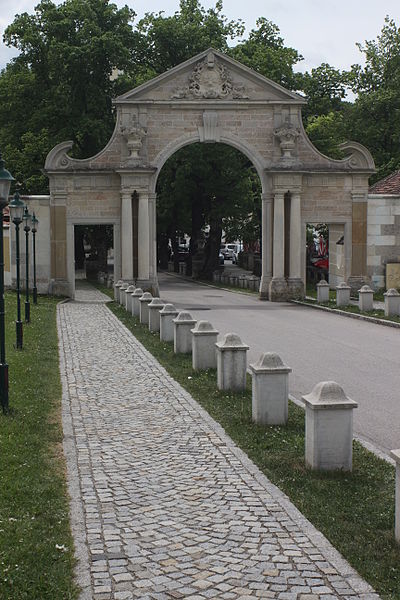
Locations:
(221, 258)
(229, 250)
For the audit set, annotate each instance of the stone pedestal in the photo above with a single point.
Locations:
(182, 268)
(136, 295)
(278, 289)
(183, 325)
(128, 298)
(154, 314)
(396, 455)
(365, 299)
(322, 291)
(204, 338)
(110, 282)
(231, 363)
(167, 316)
(116, 289)
(270, 390)
(122, 291)
(343, 294)
(392, 303)
(329, 428)
(144, 302)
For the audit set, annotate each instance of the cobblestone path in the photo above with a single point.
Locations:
(163, 503)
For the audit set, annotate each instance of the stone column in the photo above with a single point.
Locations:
(126, 236)
(153, 237)
(143, 240)
(266, 238)
(358, 274)
(295, 282)
(278, 286)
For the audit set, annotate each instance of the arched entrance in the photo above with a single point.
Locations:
(212, 98)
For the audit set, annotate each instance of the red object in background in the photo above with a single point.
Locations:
(322, 263)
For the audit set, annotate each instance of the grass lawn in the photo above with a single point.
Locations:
(355, 511)
(36, 548)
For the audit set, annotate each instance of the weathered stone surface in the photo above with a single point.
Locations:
(183, 325)
(231, 363)
(270, 390)
(144, 302)
(154, 308)
(167, 316)
(204, 338)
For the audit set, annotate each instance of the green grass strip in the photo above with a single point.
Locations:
(355, 511)
(36, 547)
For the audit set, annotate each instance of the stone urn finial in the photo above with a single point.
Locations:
(287, 135)
(134, 134)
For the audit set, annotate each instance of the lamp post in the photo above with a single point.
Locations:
(5, 182)
(16, 214)
(35, 226)
(27, 218)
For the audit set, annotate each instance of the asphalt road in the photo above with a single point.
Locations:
(362, 357)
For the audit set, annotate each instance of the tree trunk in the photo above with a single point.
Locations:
(212, 248)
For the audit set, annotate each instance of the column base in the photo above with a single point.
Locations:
(278, 289)
(356, 282)
(264, 287)
(295, 288)
(149, 285)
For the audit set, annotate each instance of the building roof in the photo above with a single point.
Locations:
(388, 185)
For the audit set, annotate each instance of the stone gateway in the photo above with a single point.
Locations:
(210, 98)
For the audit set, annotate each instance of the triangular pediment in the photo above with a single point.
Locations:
(210, 76)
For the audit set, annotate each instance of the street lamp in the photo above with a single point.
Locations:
(16, 214)
(27, 218)
(5, 182)
(35, 226)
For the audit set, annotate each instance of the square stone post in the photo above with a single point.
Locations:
(278, 285)
(183, 325)
(392, 303)
(343, 294)
(365, 299)
(396, 455)
(266, 241)
(231, 363)
(136, 295)
(116, 289)
(204, 354)
(128, 297)
(270, 390)
(122, 291)
(329, 427)
(167, 316)
(154, 314)
(322, 291)
(144, 307)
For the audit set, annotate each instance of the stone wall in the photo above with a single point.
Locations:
(383, 237)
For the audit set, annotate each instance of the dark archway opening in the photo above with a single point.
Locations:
(207, 194)
(93, 251)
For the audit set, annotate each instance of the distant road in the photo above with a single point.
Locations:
(362, 357)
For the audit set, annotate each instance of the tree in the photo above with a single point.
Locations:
(376, 118)
(60, 86)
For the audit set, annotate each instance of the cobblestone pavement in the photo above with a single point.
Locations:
(164, 505)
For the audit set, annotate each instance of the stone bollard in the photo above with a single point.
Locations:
(323, 291)
(392, 303)
(242, 279)
(116, 289)
(231, 363)
(167, 316)
(122, 291)
(128, 298)
(203, 346)
(365, 299)
(233, 280)
(154, 314)
(170, 266)
(182, 268)
(270, 390)
(183, 324)
(343, 294)
(110, 282)
(144, 307)
(396, 455)
(329, 427)
(136, 295)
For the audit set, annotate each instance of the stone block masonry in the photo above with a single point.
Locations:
(164, 504)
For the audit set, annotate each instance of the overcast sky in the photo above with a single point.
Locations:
(321, 31)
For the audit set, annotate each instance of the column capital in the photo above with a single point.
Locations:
(267, 197)
(359, 197)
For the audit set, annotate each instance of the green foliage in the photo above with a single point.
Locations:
(325, 88)
(265, 52)
(59, 87)
(375, 121)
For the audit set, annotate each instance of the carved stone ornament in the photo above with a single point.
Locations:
(211, 80)
(287, 135)
(134, 134)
